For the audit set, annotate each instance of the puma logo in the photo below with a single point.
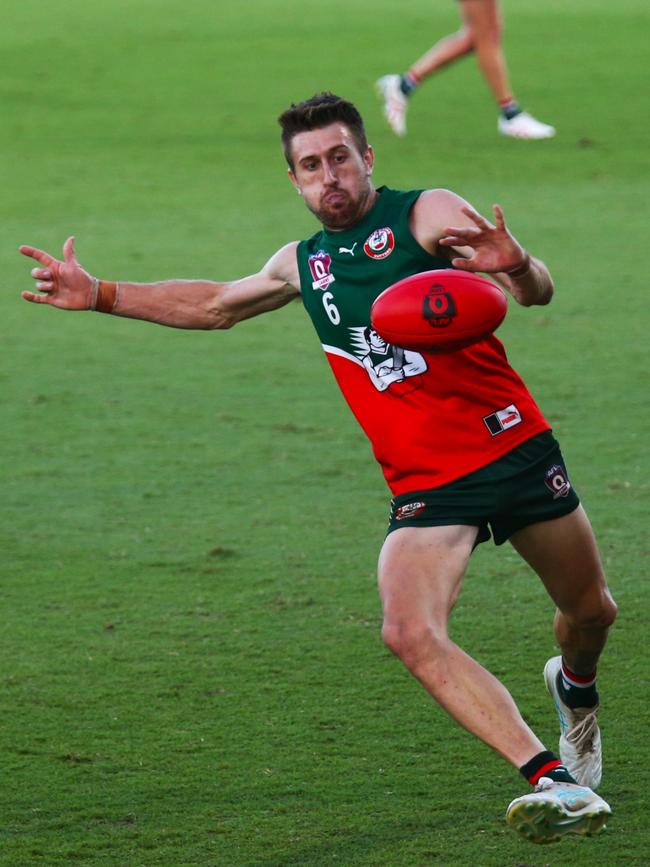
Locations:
(348, 249)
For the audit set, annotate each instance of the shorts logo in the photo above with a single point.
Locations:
(319, 265)
(502, 419)
(439, 307)
(557, 482)
(409, 510)
(380, 244)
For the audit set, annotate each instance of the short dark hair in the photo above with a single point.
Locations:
(315, 113)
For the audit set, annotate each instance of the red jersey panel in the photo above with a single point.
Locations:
(465, 410)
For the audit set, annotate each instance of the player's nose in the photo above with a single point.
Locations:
(329, 173)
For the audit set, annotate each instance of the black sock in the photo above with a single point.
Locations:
(510, 108)
(577, 690)
(408, 83)
(545, 764)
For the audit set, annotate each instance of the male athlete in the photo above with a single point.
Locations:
(463, 446)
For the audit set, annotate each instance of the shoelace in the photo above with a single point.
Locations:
(581, 735)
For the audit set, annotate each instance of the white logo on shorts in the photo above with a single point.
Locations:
(410, 510)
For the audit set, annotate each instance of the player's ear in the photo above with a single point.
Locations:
(369, 160)
(294, 180)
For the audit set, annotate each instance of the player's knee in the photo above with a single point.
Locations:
(609, 611)
(596, 611)
(393, 634)
(465, 42)
(488, 37)
(412, 641)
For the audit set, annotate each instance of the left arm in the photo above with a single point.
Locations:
(495, 251)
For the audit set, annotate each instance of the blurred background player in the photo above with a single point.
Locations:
(480, 33)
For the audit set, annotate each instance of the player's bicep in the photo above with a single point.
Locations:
(433, 212)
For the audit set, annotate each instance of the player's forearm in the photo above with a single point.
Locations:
(192, 304)
(531, 283)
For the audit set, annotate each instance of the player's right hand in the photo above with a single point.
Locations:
(62, 284)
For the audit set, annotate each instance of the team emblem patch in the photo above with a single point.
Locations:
(439, 307)
(557, 482)
(410, 510)
(502, 419)
(320, 264)
(380, 244)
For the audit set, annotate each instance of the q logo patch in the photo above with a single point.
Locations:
(557, 482)
(319, 265)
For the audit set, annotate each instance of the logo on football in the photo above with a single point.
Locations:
(439, 308)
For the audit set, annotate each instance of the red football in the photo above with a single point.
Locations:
(438, 311)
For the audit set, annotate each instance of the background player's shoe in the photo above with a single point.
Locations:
(524, 125)
(580, 746)
(395, 103)
(556, 809)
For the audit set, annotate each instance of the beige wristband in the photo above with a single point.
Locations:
(104, 295)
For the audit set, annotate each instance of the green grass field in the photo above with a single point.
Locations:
(192, 666)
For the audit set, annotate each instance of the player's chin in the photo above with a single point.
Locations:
(338, 216)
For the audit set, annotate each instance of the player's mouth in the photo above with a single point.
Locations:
(335, 198)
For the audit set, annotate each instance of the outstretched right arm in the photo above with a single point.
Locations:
(197, 304)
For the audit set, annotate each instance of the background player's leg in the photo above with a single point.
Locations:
(395, 89)
(420, 575)
(445, 51)
(482, 21)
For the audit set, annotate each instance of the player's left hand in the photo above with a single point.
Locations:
(494, 248)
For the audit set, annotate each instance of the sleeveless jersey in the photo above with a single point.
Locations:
(430, 418)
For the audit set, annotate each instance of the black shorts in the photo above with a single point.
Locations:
(527, 485)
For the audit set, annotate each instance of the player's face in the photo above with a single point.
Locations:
(332, 175)
(376, 342)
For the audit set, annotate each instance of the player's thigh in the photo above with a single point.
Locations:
(564, 553)
(421, 571)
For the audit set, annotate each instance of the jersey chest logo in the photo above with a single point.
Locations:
(388, 366)
(380, 244)
(320, 264)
